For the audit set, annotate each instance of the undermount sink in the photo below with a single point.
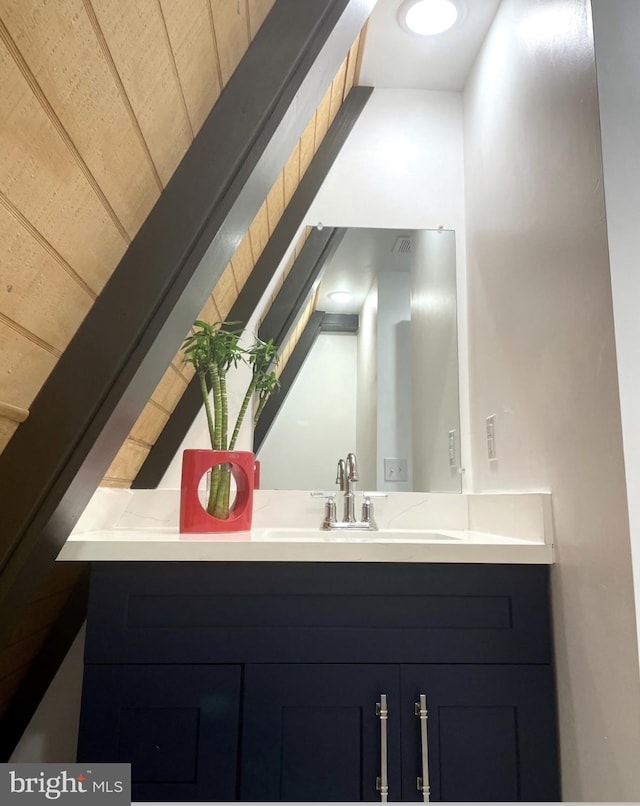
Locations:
(357, 535)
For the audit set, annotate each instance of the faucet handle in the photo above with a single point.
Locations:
(330, 516)
(367, 512)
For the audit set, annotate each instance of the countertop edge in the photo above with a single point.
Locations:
(303, 551)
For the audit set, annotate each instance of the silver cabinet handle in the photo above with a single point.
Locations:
(423, 780)
(382, 784)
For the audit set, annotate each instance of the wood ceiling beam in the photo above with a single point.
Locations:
(341, 323)
(289, 303)
(91, 400)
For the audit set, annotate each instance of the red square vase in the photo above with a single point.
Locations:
(194, 517)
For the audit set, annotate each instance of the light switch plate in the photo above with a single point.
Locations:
(396, 469)
(453, 461)
(491, 438)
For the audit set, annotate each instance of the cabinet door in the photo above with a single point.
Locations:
(311, 733)
(491, 729)
(176, 725)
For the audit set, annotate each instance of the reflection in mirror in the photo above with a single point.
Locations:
(388, 392)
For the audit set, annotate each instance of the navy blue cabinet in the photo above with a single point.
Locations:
(259, 681)
(491, 732)
(311, 733)
(176, 725)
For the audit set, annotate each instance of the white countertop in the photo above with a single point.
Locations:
(141, 525)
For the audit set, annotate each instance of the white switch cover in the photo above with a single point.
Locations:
(453, 462)
(396, 469)
(491, 438)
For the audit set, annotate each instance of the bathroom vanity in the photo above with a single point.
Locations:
(331, 679)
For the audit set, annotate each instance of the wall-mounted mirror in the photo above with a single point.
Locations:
(389, 391)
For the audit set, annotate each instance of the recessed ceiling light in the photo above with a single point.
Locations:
(341, 297)
(428, 16)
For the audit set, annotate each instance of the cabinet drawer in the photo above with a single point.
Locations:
(317, 612)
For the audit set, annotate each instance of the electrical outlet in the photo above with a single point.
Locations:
(491, 438)
(396, 469)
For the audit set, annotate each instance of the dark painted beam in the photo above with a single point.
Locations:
(319, 247)
(340, 323)
(288, 378)
(44, 668)
(89, 403)
(169, 441)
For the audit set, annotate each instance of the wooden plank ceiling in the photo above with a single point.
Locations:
(101, 99)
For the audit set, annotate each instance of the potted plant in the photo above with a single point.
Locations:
(213, 350)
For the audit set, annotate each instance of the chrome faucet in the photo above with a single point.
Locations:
(346, 478)
(350, 478)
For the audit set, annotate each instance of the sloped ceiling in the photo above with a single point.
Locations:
(101, 100)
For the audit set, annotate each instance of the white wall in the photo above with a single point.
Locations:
(616, 24)
(543, 360)
(316, 425)
(367, 391)
(402, 167)
(434, 357)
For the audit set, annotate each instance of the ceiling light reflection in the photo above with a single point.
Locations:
(341, 297)
(428, 17)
